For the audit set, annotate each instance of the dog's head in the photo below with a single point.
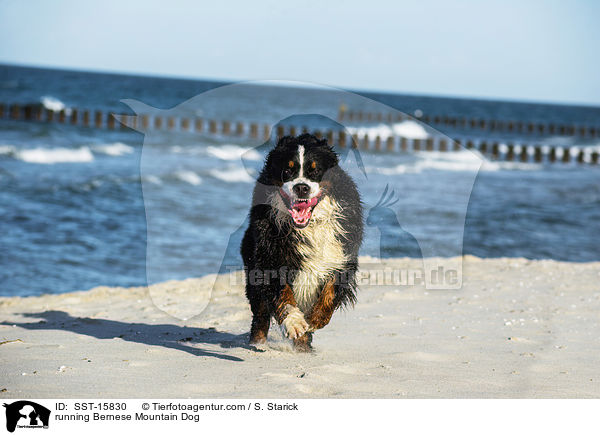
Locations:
(299, 166)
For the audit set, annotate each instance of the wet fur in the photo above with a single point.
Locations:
(307, 259)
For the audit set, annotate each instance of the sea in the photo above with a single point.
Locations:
(83, 207)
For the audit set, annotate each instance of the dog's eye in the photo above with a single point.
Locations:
(287, 173)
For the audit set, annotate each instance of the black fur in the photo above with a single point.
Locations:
(268, 248)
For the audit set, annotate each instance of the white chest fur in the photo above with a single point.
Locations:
(322, 253)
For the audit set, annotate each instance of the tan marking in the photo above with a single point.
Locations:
(258, 336)
(302, 344)
(323, 309)
(261, 320)
(286, 298)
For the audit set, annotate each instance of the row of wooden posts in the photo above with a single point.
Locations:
(507, 126)
(495, 149)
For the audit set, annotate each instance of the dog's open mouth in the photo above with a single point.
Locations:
(301, 209)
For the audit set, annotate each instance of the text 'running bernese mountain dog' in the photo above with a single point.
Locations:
(300, 250)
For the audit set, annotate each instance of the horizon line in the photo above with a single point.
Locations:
(300, 84)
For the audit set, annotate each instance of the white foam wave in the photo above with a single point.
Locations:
(7, 150)
(152, 179)
(408, 129)
(455, 161)
(54, 104)
(232, 175)
(190, 150)
(510, 166)
(49, 156)
(233, 152)
(467, 161)
(113, 149)
(189, 177)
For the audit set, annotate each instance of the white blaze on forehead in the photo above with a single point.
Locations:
(301, 159)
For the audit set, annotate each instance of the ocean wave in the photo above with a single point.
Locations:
(190, 150)
(82, 154)
(188, 177)
(113, 149)
(54, 104)
(152, 179)
(407, 129)
(49, 156)
(7, 150)
(232, 175)
(467, 161)
(233, 152)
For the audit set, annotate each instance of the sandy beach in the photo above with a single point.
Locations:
(517, 329)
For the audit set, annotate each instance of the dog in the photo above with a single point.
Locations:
(300, 250)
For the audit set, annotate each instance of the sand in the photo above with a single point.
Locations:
(516, 329)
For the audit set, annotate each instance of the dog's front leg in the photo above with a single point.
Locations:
(289, 315)
(323, 309)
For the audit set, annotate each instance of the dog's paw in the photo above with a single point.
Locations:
(294, 325)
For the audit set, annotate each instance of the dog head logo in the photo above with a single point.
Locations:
(385, 218)
(228, 114)
(26, 414)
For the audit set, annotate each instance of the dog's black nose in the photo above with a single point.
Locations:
(302, 190)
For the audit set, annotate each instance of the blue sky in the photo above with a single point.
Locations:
(517, 50)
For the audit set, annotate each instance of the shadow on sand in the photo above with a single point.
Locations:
(180, 338)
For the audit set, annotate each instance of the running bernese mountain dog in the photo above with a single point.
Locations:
(300, 250)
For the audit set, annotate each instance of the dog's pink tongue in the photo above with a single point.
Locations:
(306, 204)
(300, 213)
(301, 205)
